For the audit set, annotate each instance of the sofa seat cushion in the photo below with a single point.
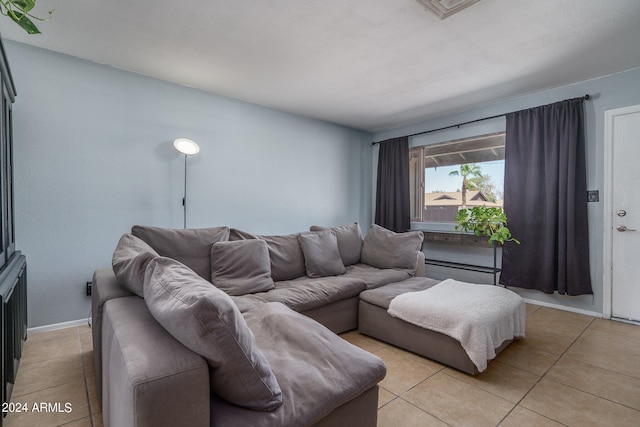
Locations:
(317, 370)
(382, 296)
(192, 246)
(205, 320)
(375, 277)
(306, 293)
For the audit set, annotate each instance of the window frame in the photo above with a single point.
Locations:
(417, 174)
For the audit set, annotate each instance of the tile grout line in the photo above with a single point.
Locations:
(515, 404)
(77, 336)
(443, 369)
(420, 409)
(399, 396)
(597, 367)
(545, 374)
(84, 376)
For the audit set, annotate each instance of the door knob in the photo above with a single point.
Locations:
(623, 228)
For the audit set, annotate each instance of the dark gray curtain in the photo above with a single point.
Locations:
(545, 200)
(392, 191)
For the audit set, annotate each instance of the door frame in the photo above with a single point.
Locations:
(607, 246)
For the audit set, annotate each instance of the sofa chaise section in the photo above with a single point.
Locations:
(318, 372)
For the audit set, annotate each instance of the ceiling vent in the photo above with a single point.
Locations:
(446, 8)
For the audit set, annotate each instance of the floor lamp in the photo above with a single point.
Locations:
(188, 148)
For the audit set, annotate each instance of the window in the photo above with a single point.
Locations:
(454, 175)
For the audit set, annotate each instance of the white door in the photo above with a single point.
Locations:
(623, 136)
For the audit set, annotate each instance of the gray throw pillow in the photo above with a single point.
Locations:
(285, 254)
(349, 241)
(129, 261)
(384, 248)
(241, 267)
(205, 320)
(321, 255)
(192, 247)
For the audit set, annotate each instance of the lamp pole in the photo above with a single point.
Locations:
(188, 148)
(184, 198)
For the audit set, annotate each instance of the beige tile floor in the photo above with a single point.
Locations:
(57, 368)
(570, 370)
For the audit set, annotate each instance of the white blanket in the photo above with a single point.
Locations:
(481, 317)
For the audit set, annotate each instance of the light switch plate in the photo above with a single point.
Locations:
(593, 196)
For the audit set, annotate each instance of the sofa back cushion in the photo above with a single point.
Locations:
(349, 241)
(285, 254)
(129, 262)
(205, 320)
(192, 247)
(241, 267)
(384, 248)
(321, 255)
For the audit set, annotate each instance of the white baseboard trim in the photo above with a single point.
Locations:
(563, 307)
(56, 326)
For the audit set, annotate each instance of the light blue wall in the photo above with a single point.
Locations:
(93, 156)
(608, 92)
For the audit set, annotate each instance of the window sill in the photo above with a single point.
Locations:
(456, 238)
(435, 227)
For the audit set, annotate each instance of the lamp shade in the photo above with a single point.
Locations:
(186, 146)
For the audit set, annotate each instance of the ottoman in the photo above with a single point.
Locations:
(375, 321)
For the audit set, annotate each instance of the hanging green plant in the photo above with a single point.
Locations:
(485, 221)
(20, 12)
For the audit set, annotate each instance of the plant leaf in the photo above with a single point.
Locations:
(25, 23)
(25, 5)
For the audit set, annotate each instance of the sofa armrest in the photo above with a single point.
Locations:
(105, 286)
(149, 378)
(420, 269)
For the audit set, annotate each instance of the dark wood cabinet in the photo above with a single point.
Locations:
(13, 265)
(7, 229)
(13, 314)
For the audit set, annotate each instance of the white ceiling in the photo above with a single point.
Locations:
(368, 64)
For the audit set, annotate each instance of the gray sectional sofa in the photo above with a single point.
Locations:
(257, 348)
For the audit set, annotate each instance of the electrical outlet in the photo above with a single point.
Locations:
(89, 285)
(593, 196)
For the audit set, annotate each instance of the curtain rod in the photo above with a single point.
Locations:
(586, 97)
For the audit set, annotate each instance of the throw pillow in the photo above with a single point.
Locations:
(192, 247)
(349, 241)
(321, 254)
(129, 261)
(384, 248)
(285, 254)
(205, 319)
(241, 267)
